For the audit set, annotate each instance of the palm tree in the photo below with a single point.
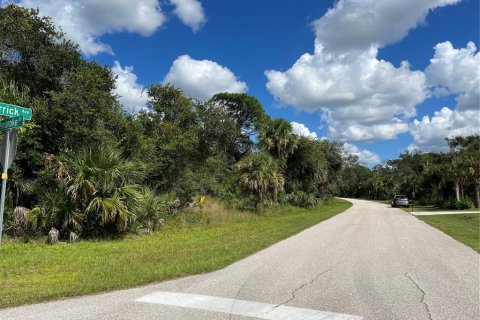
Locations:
(467, 151)
(277, 138)
(259, 176)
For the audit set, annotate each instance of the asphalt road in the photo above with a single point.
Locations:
(370, 262)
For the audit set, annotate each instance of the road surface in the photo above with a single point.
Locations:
(370, 262)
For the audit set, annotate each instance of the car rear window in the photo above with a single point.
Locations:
(401, 197)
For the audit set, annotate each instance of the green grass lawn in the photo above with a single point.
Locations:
(462, 227)
(424, 208)
(34, 272)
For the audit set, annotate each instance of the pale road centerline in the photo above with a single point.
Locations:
(244, 308)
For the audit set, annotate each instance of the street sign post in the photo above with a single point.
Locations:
(17, 116)
(12, 150)
(6, 146)
(13, 122)
(11, 110)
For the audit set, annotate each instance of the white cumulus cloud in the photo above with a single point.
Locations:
(358, 89)
(359, 24)
(429, 133)
(301, 130)
(353, 131)
(202, 79)
(361, 97)
(132, 95)
(190, 12)
(326, 80)
(364, 156)
(456, 71)
(84, 21)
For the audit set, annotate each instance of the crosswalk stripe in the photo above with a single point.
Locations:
(251, 309)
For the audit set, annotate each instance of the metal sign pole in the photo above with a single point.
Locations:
(4, 179)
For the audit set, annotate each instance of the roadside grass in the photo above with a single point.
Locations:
(197, 242)
(424, 208)
(462, 227)
(431, 208)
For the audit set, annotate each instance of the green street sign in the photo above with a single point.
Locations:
(11, 110)
(13, 122)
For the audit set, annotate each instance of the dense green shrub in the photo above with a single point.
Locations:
(301, 199)
(465, 204)
(452, 204)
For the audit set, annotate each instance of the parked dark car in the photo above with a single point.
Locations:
(400, 201)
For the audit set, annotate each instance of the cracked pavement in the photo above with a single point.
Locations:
(372, 261)
(423, 295)
(293, 293)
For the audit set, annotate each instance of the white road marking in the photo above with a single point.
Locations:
(241, 307)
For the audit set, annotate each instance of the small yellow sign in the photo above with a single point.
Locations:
(4, 176)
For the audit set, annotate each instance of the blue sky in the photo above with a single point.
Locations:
(337, 75)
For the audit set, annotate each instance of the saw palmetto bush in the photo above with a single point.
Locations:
(151, 211)
(91, 192)
(103, 185)
(61, 210)
(301, 199)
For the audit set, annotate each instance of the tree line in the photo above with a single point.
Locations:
(86, 167)
(449, 180)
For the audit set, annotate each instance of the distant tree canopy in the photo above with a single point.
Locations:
(449, 179)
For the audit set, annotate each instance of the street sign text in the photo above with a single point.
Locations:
(9, 123)
(11, 110)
